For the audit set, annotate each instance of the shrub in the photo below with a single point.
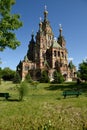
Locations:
(22, 89)
(28, 78)
(44, 77)
(34, 84)
(7, 74)
(82, 72)
(58, 77)
(17, 78)
(0, 75)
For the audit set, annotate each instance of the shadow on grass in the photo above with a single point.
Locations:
(10, 100)
(63, 86)
(59, 98)
(13, 100)
(68, 86)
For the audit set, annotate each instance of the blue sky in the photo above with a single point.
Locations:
(72, 14)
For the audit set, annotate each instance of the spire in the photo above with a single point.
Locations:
(61, 39)
(40, 25)
(60, 29)
(45, 13)
(26, 58)
(32, 36)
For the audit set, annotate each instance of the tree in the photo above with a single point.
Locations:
(17, 78)
(28, 78)
(0, 61)
(8, 23)
(58, 78)
(0, 74)
(7, 74)
(23, 90)
(82, 72)
(44, 77)
(0, 71)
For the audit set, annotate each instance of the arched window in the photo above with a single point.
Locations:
(58, 53)
(54, 53)
(62, 54)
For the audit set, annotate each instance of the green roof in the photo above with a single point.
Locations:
(56, 44)
(26, 58)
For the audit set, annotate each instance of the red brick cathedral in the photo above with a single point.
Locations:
(46, 53)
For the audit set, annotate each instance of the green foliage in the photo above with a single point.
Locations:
(82, 72)
(28, 78)
(0, 75)
(7, 74)
(58, 78)
(0, 61)
(71, 65)
(17, 78)
(44, 77)
(8, 23)
(34, 84)
(23, 90)
(0, 72)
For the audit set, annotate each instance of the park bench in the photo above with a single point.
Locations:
(71, 93)
(6, 95)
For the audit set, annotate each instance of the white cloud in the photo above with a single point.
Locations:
(85, 59)
(4, 62)
(70, 59)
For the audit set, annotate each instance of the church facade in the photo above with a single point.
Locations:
(46, 53)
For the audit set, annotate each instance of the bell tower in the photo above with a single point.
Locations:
(44, 39)
(61, 39)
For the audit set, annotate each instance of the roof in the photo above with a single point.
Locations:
(56, 44)
(26, 59)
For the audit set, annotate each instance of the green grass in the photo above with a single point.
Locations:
(42, 105)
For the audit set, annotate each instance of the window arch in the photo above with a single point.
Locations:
(55, 53)
(58, 53)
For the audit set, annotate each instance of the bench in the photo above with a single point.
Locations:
(71, 93)
(6, 95)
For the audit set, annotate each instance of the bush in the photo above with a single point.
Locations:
(82, 72)
(0, 75)
(58, 77)
(22, 89)
(34, 84)
(17, 78)
(7, 74)
(28, 78)
(44, 77)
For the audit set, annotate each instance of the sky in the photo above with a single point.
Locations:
(71, 14)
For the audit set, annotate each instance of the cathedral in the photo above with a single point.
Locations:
(45, 52)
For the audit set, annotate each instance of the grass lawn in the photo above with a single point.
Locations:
(43, 108)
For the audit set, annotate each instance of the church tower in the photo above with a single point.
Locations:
(61, 39)
(44, 39)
